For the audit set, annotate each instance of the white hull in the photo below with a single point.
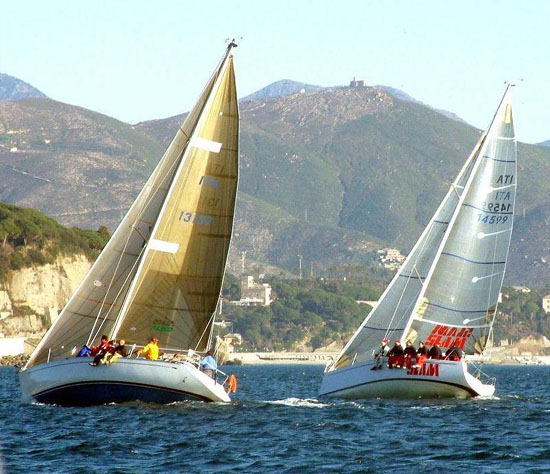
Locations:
(437, 379)
(74, 382)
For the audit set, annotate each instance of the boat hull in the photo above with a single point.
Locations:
(73, 382)
(435, 379)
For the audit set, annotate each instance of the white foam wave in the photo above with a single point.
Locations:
(299, 402)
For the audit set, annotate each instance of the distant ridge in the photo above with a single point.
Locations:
(399, 94)
(12, 88)
(281, 88)
(288, 87)
(546, 143)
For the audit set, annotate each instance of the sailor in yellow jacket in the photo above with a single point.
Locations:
(151, 350)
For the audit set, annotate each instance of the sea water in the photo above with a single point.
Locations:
(277, 424)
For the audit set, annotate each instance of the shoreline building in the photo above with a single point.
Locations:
(254, 293)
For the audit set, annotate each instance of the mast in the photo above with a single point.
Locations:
(167, 252)
(473, 175)
(393, 313)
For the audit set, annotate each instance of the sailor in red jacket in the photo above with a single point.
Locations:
(395, 356)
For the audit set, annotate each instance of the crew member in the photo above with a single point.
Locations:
(454, 353)
(99, 351)
(435, 352)
(395, 356)
(151, 350)
(421, 353)
(410, 354)
(208, 365)
(380, 354)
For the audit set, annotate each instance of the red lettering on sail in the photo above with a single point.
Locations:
(445, 336)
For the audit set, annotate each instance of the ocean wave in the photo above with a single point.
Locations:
(299, 402)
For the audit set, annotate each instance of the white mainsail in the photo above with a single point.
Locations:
(161, 272)
(447, 289)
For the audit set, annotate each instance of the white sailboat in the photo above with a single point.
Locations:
(446, 291)
(160, 275)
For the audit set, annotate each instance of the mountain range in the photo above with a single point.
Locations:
(12, 88)
(327, 174)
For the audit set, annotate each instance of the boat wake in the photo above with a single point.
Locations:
(299, 402)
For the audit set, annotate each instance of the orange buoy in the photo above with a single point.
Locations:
(231, 383)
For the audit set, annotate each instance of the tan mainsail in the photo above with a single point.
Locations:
(178, 287)
(187, 206)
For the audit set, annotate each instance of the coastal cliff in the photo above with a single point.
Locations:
(32, 297)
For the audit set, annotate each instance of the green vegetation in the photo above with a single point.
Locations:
(313, 313)
(520, 314)
(316, 313)
(27, 238)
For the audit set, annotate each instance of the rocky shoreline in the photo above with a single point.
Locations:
(16, 360)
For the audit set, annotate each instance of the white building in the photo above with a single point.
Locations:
(546, 303)
(253, 293)
(391, 258)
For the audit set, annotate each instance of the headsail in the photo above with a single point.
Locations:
(95, 307)
(393, 315)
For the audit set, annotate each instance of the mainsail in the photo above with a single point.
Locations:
(161, 273)
(447, 290)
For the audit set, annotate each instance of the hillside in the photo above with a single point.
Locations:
(280, 88)
(331, 174)
(12, 88)
(81, 167)
(41, 264)
(28, 237)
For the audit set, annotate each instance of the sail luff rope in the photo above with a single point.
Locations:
(211, 320)
(104, 299)
(234, 206)
(490, 335)
(418, 275)
(442, 244)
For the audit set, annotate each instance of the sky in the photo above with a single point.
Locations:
(141, 60)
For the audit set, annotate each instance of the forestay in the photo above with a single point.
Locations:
(161, 272)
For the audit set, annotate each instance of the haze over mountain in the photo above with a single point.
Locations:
(545, 143)
(12, 88)
(329, 174)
